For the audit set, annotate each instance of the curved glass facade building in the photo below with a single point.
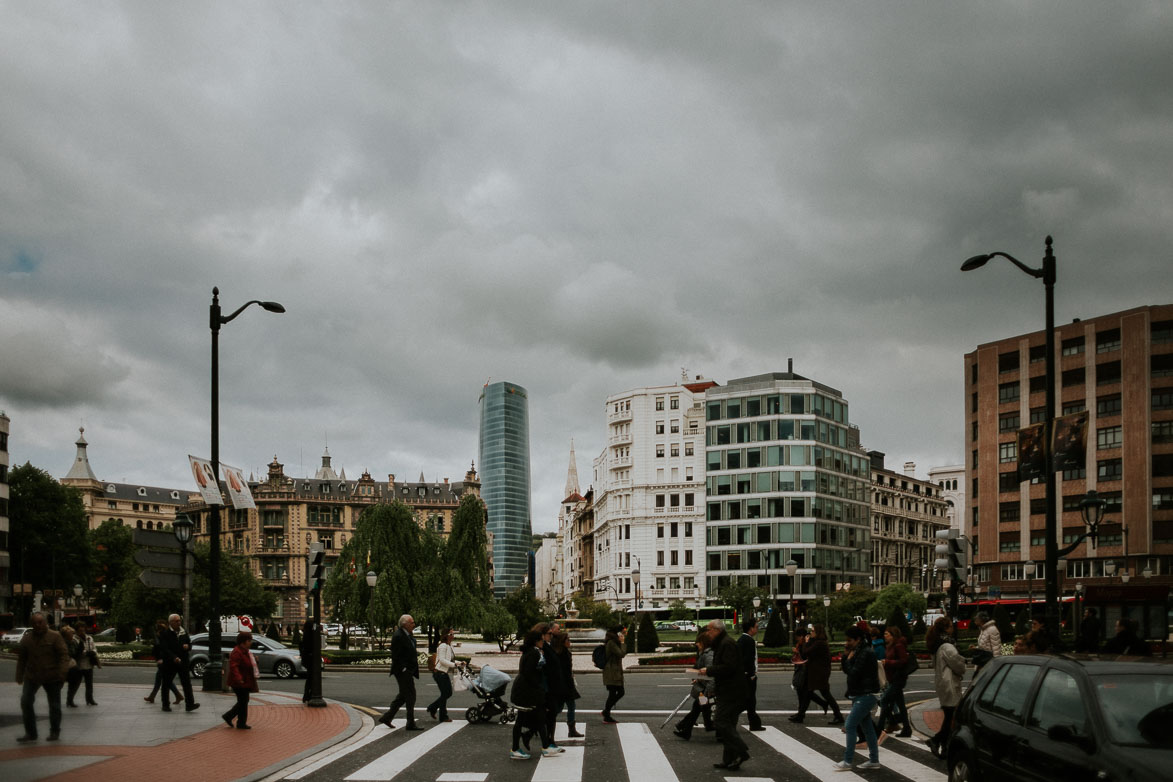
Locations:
(504, 466)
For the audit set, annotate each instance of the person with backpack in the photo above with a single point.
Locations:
(899, 663)
(614, 652)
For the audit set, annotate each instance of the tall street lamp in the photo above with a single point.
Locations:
(1028, 570)
(791, 569)
(1047, 274)
(827, 612)
(182, 527)
(213, 674)
(757, 603)
(372, 579)
(635, 613)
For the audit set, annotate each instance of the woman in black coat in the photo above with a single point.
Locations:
(817, 653)
(529, 696)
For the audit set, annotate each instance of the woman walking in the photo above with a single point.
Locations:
(159, 653)
(948, 668)
(569, 687)
(530, 698)
(702, 691)
(73, 677)
(445, 662)
(863, 682)
(613, 670)
(87, 660)
(816, 654)
(896, 671)
(242, 678)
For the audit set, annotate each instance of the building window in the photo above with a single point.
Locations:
(1162, 465)
(675, 403)
(675, 427)
(1007, 422)
(1072, 347)
(1108, 405)
(1162, 365)
(674, 558)
(1162, 332)
(1007, 392)
(1007, 452)
(688, 450)
(687, 557)
(660, 561)
(659, 427)
(675, 449)
(660, 503)
(1038, 353)
(1038, 506)
(973, 373)
(1109, 469)
(1109, 437)
(1038, 384)
(1162, 399)
(1163, 499)
(975, 431)
(973, 402)
(1008, 511)
(1008, 362)
(1107, 341)
(659, 403)
(1074, 407)
(1073, 377)
(1008, 481)
(1010, 545)
(1107, 373)
(659, 452)
(1162, 431)
(1076, 474)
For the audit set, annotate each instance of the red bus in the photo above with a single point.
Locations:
(967, 610)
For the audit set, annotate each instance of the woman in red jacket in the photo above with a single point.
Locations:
(242, 678)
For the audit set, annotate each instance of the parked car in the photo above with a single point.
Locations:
(667, 626)
(106, 635)
(12, 637)
(687, 625)
(272, 657)
(1031, 717)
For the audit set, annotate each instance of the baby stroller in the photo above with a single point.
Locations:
(489, 686)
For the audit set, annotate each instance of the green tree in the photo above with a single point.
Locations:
(648, 638)
(599, 612)
(740, 595)
(678, 609)
(524, 608)
(848, 604)
(775, 635)
(893, 598)
(47, 531)
(112, 547)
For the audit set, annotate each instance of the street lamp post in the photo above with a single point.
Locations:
(827, 611)
(1047, 274)
(213, 674)
(1028, 570)
(791, 569)
(757, 603)
(1110, 568)
(635, 612)
(372, 579)
(182, 527)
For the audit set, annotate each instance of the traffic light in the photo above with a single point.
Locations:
(317, 567)
(951, 555)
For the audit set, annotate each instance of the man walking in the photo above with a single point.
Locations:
(176, 645)
(405, 667)
(42, 661)
(747, 646)
(731, 694)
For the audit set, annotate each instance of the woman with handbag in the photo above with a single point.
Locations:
(444, 662)
(569, 686)
(948, 668)
(242, 678)
(896, 668)
(815, 653)
(87, 660)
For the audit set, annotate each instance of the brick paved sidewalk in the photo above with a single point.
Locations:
(124, 738)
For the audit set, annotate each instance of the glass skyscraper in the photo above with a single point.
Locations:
(504, 463)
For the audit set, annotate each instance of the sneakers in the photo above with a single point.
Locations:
(517, 754)
(25, 739)
(55, 735)
(551, 751)
(871, 764)
(842, 765)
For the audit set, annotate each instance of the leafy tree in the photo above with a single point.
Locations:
(775, 635)
(739, 595)
(47, 531)
(896, 598)
(678, 609)
(524, 608)
(600, 613)
(467, 549)
(899, 619)
(112, 546)
(648, 638)
(848, 604)
(499, 625)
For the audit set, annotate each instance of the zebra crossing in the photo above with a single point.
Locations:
(635, 750)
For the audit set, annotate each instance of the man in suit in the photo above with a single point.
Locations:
(747, 646)
(405, 667)
(176, 644)
(729, 676)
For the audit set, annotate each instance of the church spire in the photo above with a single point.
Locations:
(571, 474)
(81, 463)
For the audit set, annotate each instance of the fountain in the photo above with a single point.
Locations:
(580, 631)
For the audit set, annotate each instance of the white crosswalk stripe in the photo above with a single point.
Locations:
(566, 767)
(562, 731)
(377, 733)
(812, 761)
(642, 754)
(395, 761)
(909, 768)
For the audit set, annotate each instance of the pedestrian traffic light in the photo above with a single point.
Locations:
(951, 555)
(317, 567)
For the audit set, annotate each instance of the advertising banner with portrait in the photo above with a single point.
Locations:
(1069, 442)
(238, 491)
(1032, 458)
(205, 479)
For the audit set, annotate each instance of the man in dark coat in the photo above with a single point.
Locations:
(731, 692)
(42, 662)
(176, 645)
(554, 679)
(747, 646)
(405, 667)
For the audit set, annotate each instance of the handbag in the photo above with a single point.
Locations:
(883, 677)
(798, 681)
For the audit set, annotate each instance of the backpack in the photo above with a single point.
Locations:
(599, 656)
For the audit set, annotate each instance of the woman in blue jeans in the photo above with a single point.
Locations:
(863, 682)
(445, 662)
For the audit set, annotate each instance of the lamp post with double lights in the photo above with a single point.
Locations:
(1047, 274)
(213, 674)
(791, 570)
(182, 528)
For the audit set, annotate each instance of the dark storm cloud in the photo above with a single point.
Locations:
(580, 198)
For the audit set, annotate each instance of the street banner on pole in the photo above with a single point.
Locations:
(205, 480)
(1069, 442)
(1032, 459)
(238, 491)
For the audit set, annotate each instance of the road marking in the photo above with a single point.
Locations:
(389, 765)
(913, 743)
(462, 776)
(377, 733)
(918, 772)
(563, 767)
(562, 731)
(814, 763)
(749, 779)
(642, 753)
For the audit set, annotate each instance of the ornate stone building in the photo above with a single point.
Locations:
(906, 513)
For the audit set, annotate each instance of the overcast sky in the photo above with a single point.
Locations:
(578, 197)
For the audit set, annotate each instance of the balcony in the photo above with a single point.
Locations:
(273, 548)
(278, 581)
(622, 415)
(620, 439)
(620, 461)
